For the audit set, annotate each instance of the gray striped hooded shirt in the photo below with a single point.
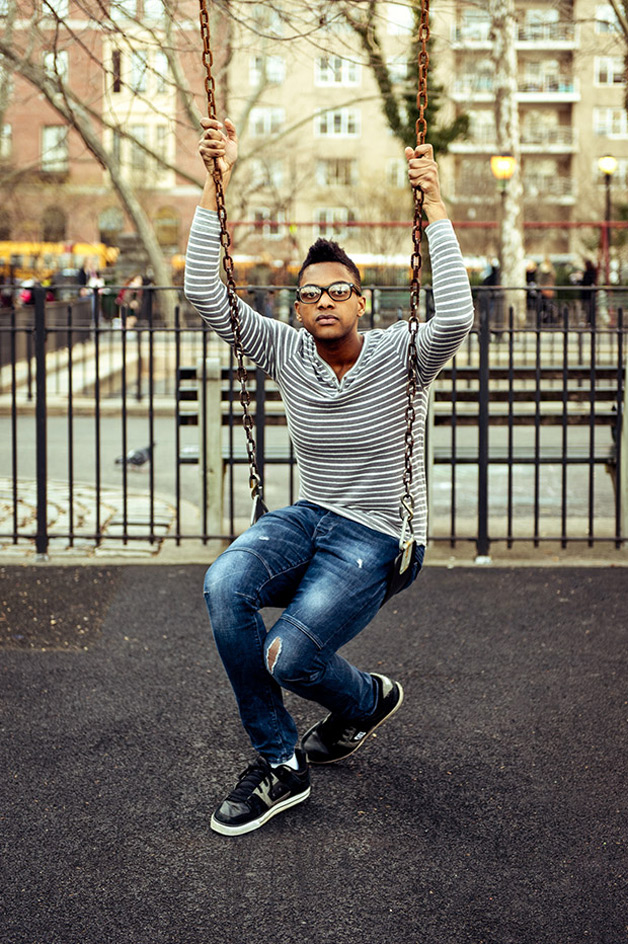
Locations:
(348, 435)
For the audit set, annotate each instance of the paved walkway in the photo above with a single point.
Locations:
(491, 810)
(116, 518)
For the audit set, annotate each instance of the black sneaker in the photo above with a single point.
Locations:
(335, 738)
(261, 792)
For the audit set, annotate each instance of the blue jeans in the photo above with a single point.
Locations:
(330, 574)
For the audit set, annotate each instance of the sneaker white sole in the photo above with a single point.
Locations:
(365, 739)
(253, 824)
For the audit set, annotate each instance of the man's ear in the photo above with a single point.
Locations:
(361, 305)
(296, 308)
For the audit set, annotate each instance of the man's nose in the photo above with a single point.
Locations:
(325, 300)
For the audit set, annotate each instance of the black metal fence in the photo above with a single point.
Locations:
(125, 431)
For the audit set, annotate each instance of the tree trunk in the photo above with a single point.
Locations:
(504, 52)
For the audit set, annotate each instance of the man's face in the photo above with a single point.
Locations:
(326, 319)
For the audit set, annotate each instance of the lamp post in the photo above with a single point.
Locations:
(607, 165)
(502, 167)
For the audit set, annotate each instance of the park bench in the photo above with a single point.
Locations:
(519, 396)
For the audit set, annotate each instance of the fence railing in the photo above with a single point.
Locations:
(127, 432)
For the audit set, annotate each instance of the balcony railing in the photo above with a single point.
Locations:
(528, 87)
(558, 138)
(547, 33)
(534, 186)
(536, 33)
(484, 140)
(547, 186)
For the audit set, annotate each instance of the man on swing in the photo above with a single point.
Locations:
(326, 559)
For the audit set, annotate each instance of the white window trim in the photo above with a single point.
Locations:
(49, 163)
(6, 141)
(278, 217)
(275, 70)
(604, 121)
(56, 64)
(348, 116)
(331, 222)
(268, 117)
(613, 65)
(349, 73)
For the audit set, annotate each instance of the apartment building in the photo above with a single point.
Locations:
(571, 87)
(317, 156)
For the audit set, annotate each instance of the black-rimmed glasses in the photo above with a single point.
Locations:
(337, 291)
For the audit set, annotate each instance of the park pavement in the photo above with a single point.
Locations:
(490, 810)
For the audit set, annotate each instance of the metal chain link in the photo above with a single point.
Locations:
(416, 262)
(255, 481)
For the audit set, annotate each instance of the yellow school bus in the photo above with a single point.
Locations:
(35, 260)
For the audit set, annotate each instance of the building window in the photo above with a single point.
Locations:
(340, 123)
(139, 65)
(4, 7)
(110, 225)
(116, 70)
(266, 172)
(138, 154)
(397, 172)
(162, 72)
(6, 142)
(612, 122)
(336, 172)
(400, 19)
(267, 69)
(267, 20)
(54, 225)
(475, 25)
(116, 148)
(271, 220)
(60, 7)
(56, 64)
(161, 148)
(333, 70)
(54, 149)
(606, 20)
(167, 225)
(123, 9)
(609, 70)
(264, 121)
(398, 69)
(153, 10)
(482, 127)
(332, 222)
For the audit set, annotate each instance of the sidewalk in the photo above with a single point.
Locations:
(491, 810)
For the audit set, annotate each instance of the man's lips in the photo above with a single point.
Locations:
(327, 318)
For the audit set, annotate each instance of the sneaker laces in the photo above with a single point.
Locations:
(250, 779)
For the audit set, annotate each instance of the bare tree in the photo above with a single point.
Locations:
(504, 53)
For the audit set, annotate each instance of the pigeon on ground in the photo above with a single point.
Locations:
(136, 457)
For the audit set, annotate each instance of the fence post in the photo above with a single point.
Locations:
(622, 482)
(483, 544)
(210, 443)
(41, 537)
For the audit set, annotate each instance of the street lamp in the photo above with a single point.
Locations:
(607, 166)
(502, 168)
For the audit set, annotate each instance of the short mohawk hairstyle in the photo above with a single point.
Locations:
(326, 250)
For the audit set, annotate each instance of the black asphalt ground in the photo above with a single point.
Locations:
(490, 810)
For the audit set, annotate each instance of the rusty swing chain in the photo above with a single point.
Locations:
(255, 481)
(416, 262)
